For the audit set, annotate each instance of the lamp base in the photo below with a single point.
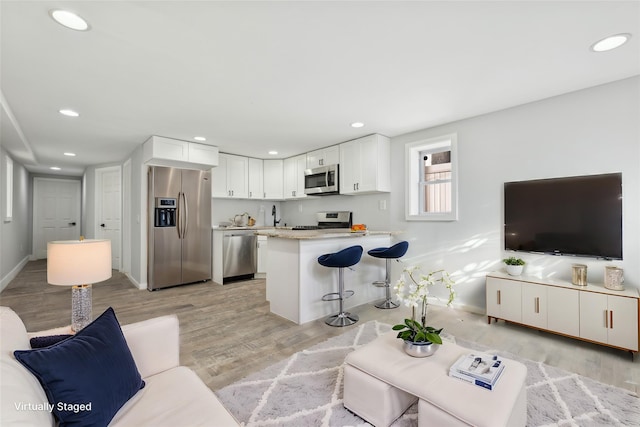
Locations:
(81, 314)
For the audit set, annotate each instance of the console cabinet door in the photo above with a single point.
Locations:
(593, 316)
(534, 305)
(563, 310)
(623, 322)
(504, 299)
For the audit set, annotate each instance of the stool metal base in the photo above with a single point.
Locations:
(386, 304)
(341, 319)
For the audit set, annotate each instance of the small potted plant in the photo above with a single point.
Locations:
(412, 289)
(514, 265)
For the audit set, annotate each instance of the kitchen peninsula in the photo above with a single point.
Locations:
(296, 282)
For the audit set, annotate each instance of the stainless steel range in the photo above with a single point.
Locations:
(338, 219)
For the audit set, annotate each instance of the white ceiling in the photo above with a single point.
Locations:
(287, 75)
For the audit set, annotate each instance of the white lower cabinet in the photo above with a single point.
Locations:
(592, 313)
(563, 310)
(609, 319)
(504, 300)
(534, 305)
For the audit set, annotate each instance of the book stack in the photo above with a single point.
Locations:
(480, 369)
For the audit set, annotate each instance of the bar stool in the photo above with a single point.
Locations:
(394, 252)
(341, 259)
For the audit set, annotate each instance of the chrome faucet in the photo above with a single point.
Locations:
(273, 212)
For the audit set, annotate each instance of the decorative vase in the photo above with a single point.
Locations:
(514, 270)
(420, 349)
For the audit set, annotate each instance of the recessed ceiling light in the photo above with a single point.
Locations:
(357, 125)
(69, 19)
(199, 138)
(69, 113)
(273, 152)
(54, 168)
(70, 154)
(610, 42)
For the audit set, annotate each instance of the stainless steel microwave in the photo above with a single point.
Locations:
(322, 180)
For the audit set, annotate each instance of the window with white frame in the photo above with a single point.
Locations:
(431, 179)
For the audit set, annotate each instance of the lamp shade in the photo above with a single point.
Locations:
(78, 262)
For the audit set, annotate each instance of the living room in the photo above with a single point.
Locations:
(583, 131)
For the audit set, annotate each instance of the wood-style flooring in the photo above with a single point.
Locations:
(227, 332)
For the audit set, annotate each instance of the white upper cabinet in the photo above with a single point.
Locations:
(162, 151)
(256, 179)
(294, 168)
(323, 157)
(273, 179)
(365, 165)
(230, 178)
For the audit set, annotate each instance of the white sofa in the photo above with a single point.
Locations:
(173, 396)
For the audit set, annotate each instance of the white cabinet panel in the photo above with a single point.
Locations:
(504, 299)
(230, 178)
(273, 179)
(609, 319)
(365, 165)
(162, 151)
(534, 305)
(294, 177)
(203, 154)
(323, 157)
(256, 179)
(563, 310)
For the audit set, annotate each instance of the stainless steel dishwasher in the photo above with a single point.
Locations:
(239, 254)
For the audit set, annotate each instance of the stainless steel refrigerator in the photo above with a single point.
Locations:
(179, 247)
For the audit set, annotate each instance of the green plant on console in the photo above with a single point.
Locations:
(412, 289)
(513, 261)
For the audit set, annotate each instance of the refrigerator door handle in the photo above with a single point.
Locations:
(179, 217)
(186, 215)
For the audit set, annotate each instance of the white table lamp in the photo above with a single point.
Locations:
(79, 263)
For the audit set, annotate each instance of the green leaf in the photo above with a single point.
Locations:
(398, 327)
(434, 338)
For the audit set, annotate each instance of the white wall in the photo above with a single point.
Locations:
(15, 235)
(591, 131)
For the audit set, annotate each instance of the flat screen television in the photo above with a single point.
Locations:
(580, 215)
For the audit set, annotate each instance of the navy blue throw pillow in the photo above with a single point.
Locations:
(87, 377)
(47, 340)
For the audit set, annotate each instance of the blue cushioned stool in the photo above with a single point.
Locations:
(341, 259)
(394, 252)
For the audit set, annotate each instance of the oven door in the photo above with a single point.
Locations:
(321, 181)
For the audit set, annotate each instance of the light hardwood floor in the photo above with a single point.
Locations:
(227, 332)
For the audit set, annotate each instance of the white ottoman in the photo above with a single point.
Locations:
(381, 382)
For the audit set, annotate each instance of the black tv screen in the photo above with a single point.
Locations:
(580, 215)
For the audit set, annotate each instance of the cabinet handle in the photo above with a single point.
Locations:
(250, 194)
(606, 319)
(498, 297)
(610, 319)
(537, 304)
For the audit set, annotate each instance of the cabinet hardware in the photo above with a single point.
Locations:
(498, 297)
(610, 319)
(537, 304)
(606, 319)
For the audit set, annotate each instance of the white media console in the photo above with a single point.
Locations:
(591, 313)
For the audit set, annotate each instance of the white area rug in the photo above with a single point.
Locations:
(306, 390)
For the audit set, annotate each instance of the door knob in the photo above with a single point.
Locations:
(72, 223)
(102, 225)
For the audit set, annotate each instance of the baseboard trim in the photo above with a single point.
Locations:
(135, 283)
(13, 273)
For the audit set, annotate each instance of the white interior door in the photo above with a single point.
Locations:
(56, 212)
(109, 209)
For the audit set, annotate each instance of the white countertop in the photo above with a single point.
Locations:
(330, 233)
